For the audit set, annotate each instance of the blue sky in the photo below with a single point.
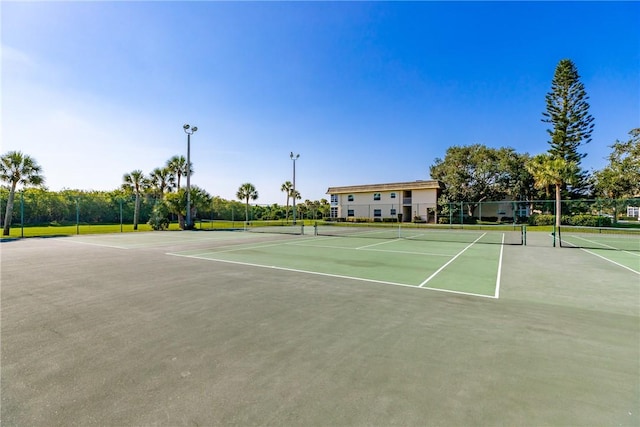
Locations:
(365, 92)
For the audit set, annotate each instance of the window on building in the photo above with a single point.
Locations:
(377, 213)
(334, 212)
(376, 196)
(393, 211)
(350, 212)
(334, 198)
(350, 198)
(393, 195)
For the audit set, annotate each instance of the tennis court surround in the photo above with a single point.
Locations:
(111, 330)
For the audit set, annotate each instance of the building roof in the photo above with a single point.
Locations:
(411, 185)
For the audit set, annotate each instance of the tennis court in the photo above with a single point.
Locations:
(241, 328)
(451, 261)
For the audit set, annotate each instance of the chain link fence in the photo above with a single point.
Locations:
(38, 208)
(42, 208)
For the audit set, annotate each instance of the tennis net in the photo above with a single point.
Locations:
(259, 226)
(276, 227)
(621, 239)
(490, 234)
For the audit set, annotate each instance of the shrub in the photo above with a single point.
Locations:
(586, 220)
(456, 220)
(541, 219)
(358, 219)
(159, 219)
(470, 220)
(582, 220)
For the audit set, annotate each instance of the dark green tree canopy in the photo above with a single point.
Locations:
(476, 172)
(621, 177)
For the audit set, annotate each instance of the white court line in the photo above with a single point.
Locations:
(240, 247)
(91, 244)
(450, 261)
(605, 245)
(408, 252)
(605, 258)
(377, 244)
(371, 250)
(168, 240)
(338, 276)
(179, 242)
(497, 294)
(611, 261)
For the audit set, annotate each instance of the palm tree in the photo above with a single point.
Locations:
(287, 187)
(324, 208)
(176, 203)
(137, 183)
(177, 165)
(161, 180)
(17, 168)
(247, 192)
(547, 171)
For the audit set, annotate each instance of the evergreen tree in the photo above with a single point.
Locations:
(568, 112)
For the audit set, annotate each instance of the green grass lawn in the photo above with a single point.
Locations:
(67, 230)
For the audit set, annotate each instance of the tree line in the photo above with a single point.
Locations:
(38, 206)
(477, 173)
(471, 174)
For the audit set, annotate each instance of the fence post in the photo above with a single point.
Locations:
(77, 216)
(121, 215)
(22, 213)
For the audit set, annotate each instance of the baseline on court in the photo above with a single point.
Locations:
(465, 268)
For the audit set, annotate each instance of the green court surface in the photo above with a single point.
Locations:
(241, 328)
(448, 266)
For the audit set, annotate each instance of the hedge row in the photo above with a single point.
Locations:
(583, 220)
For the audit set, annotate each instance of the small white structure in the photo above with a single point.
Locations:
(633, 211)
(399, 201)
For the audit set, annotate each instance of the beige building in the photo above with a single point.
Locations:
(404, 201)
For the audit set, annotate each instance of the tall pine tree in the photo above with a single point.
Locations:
(568, 112)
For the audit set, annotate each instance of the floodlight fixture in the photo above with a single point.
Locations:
(189, 131)
(294, 157)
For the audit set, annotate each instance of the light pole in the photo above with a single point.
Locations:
(294, 157)
(189, 130)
